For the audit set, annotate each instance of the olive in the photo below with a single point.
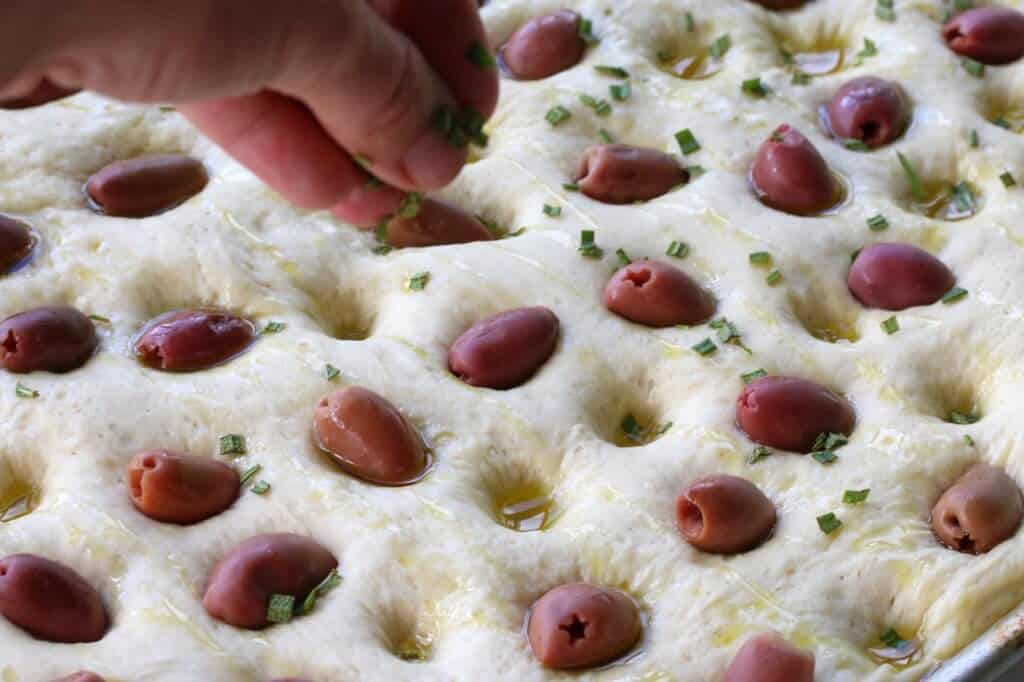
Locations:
(980, 510)
(991, 35)
(148, 185)
(790, 175)
(544, 46)
(183, 489)
(190, 340)
(898, 276)
(16, 242)
(50, 601)
(50, 339)
(623, 174)
(768, 657)
(724, 514)
(869, 109)
(506, 350)
(657, 295)
(435, 224)
(789, 414)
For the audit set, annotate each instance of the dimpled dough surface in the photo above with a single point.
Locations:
(428, 563)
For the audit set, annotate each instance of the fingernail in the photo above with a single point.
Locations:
(432, 162)
(368, 205)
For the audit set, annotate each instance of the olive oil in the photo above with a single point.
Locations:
(525, 509)
(17, 499)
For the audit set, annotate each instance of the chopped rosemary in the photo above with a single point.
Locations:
(877, 223)
(891, 325)
(601, 107)
(972, 137)
(23, 391)
(954, 295)
(753, 376)
(557, 115)
(856, 496)
(613, 71)
(588, 247)
(963, 196)
(761, 259)
(249, 473)
(586, 32)
(571, 187)
(260, 488)
(706, 347)
(410, 206)
(418, 282)
(678, 250)
(869, 50)
(273, 328)
(620, 92)
(605, 136)
(760, 452)
(855, 145)
(976, 69)
(100, 319)
(1008, 179)
(326, 585)
(281, 608)
(916, 188)
(963, 419)
(688, 144)
(331, 372)
(727, 333)
(720, 46)
(754, 87)
(829, 523)
(624, 258)
(885, 11)
(480, 56)
(691, 25)
(232, 444)
(773, 278)
(552, 211)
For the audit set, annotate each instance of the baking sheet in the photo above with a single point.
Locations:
(996, 656)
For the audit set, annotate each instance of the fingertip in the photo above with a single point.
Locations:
(432, 162)
(368, 205)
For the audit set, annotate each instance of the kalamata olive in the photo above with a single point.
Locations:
(148, 185)
(44, 93)
(369, 437)
(780, 4)
(505, 350)
(983, 508)
(657, 295)
(790, 414)
(577, 625)
(544, 46)
(898, 276)
(768, 657)
(724, 514)
(82, 676)
(240, 587)
(872, 110)
(184, 489)
(48, 339)
(622, 174)
(790, 175)
(991, 35)
(50, 601)
(16, 242)
(190, 340)
(437, 223)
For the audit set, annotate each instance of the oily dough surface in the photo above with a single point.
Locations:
(426, 566)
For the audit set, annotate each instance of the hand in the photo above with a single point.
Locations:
(296, 90)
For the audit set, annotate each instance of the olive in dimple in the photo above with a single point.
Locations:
(50, 601)
(990, 35)
(506, 350)
(191, 340)
(898, 276)
(790, 175)
(768, 657)
(657, 295)
(623, 174)
(435, 224)
(147, 185)
(369, 437)
(171, 487)
(780, 4)
(870, 109)
(544, 46)
(241, 584)
(723, 514)
(980, 510)
(790, 413)
(16, 242)
(578, 625)
(50, 339)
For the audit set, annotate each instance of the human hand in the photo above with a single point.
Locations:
(297, 91)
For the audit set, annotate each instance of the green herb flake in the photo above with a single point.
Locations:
(695, 171)
(976, 69)
(1002, 123)
(954, 295)
(753, 376)
(916, 188)
(586, 32)
(754, 87)
(885, 11)
(824, 456)
(761, 259)
(963, 196)
(1008, 179)
(855, 145)
(418, 282)
(364, 160)
(613, 71)
(760, 452)
(801, 78)
(856, 496)
(588, 247)
(260, 488)
(274, 328)
(601, 107)
(891, 325)
(829, 523)
(727, 333)
(678, 249)
(706, 347)
(720, 46)
(557, 115)
(773, 278)
(605, 136)
(552, 211)
(663, 429)
(869, 50)
(830, 441)
(410, 207)
(326, 585)
(968, 440)
(381, 250)
(232, 444)
(620, 92)
(972, 137)
(100, 319)
(632, 428)
(331, 372)
(623, 257)
(281, 608)
(168, 108)
(878, 223)
(480, 56)
(571, 187)
(249, 473)
(691, 24)
(963, 419)
(22, 391)
(509, 235)
(891, 639)
(688, 144)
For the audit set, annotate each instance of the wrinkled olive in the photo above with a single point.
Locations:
(240, 587)
(16, 242)
(657, 295)
(790, 175)
(577, 625)
(44, 93)
(369, 437)
(623, 174)
(991, 35)
(768, 657)
(983, 508)
(780, 4)
(898, 276)
(190, 340)
(869, 109)
(505, 350)
(723, 514)
(544, 46)
(790, 414)
(49, 339)
(183, 489)
(436, 224)
(148, 185)
(82, 676)
(50, 601)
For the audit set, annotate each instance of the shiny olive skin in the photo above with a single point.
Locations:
(369, 437)
(722, 514)
(171, 487)
(192, 340)
(898, 276)
(544, 46)
(506, 350)
(657, 294)
(789, 414)
(44, 93)
(623, 174)
(48, 339)
(872, 110)
(146, 186)
(436, 224)
(577, 625)
(780, 4)
(50, 601)
(990, 35)
(16, 242)
(790, 175)
(82, 676)
(240, 586)
(980, 510)
(768, 657)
